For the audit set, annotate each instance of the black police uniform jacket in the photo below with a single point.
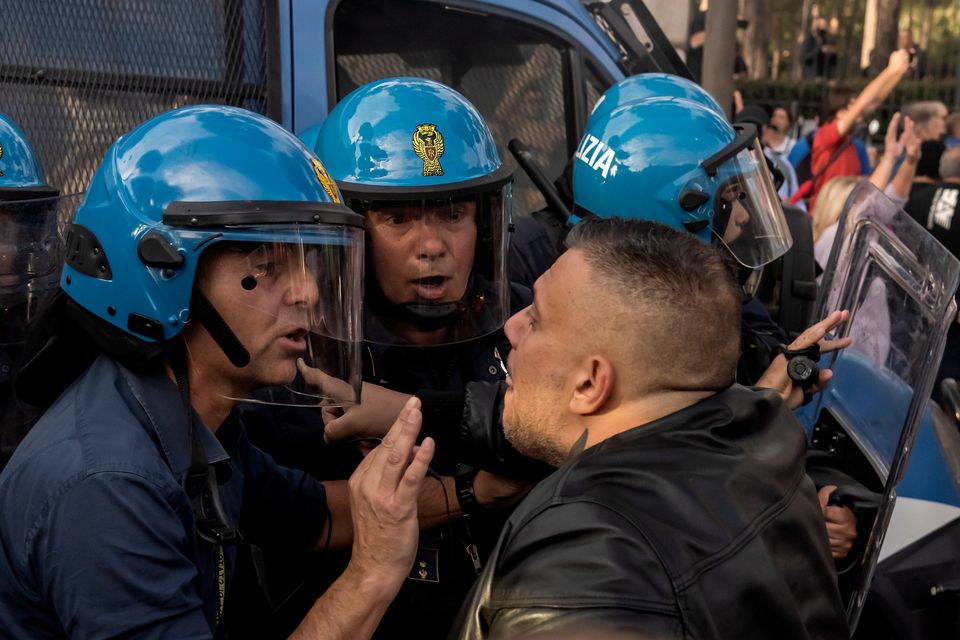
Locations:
(700, 525)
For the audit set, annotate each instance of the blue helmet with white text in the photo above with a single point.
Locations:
(682, 164)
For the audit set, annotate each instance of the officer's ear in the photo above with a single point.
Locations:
(593, 385)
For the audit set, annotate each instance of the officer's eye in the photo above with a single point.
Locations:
(266, 269)
(456, 215)
(397, 219)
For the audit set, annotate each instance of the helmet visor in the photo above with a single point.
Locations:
(31, 253)
(292, 299)
(437, 268)
(749, 218)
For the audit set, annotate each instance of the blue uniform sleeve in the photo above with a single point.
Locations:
(112, 556)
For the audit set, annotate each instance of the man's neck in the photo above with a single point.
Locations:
(631, 414)
(208, 397)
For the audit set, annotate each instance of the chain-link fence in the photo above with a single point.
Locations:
(77, 74)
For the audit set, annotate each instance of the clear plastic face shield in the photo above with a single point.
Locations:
(748, 215)
(899, 284)
(31, 254)
(294, 304)
(436, 268)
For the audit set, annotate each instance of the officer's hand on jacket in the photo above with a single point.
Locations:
(841, 524)
(372, 418)
(383, 499)
(776, 376)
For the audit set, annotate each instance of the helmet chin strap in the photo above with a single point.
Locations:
(205, 313)
(430, 316)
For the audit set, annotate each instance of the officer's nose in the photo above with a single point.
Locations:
(431, 241)
(302, 289)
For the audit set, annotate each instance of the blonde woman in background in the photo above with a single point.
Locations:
(827, 211)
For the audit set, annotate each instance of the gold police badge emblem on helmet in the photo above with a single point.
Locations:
(326, 181)
(428, 145)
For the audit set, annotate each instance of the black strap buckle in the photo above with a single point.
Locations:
(463, 481)
(802, 365)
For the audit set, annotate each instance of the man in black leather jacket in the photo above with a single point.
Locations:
(681, 507)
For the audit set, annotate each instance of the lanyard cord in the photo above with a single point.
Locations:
(200, 485)
(221, 591)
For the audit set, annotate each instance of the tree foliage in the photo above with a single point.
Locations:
(771, 47)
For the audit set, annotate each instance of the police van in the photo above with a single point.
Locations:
(76, 74)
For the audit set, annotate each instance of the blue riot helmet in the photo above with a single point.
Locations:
(416, 158)
(676, 162)
(29, 244)
(232, 196)
(645, 86)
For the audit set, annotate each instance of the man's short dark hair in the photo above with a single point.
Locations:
(678, 290)
(835, 99)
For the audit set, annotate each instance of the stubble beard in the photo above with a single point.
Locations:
(534, 427)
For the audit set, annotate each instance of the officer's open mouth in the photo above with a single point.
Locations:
(297, 337)
(431, 281)
(431, 288)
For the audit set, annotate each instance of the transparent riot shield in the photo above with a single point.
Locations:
(899, 285)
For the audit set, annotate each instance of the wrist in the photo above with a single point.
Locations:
(467, 497)
(370, 583)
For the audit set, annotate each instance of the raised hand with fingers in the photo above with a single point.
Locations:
(383, 496)
(777, 376)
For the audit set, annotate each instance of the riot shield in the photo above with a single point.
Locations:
(899, 285)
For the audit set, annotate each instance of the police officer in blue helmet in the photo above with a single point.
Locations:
(210, 258)
(708, 178)
(418, 161)
(29, 266)
(679, 162)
